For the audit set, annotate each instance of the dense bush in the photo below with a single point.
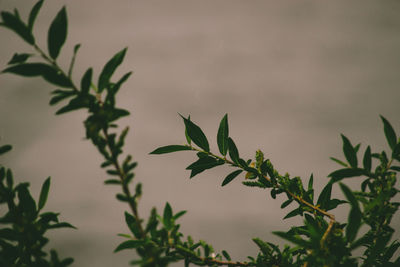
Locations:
(320, 241)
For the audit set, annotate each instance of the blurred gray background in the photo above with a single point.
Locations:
(292, 75)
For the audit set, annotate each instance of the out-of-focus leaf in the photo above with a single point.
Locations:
(49, 73)
(109, 69)
(223, 134)
(44, 193)
(33, 14)
(169, 149)
(339, 161)
(15, 24)
(349, 152)
(167, 216)
(5, 149)
(389, 133)
(18, 58)
(325, 196)
(345, 173)
(130, 244)
(367, 159)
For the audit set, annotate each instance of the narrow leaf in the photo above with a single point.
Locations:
(5, 149)
(57, 33)
(226, 255)
(167, 216)
(129, 245)
(33, 14)
(389, 133)
(353, 224)
(222, 136)
(15, 24)
(169, 149)
(196, 134)
(109, 69)
(325, 196)
(48, 72)
(233, 151)
(231, 176)
(44, 193)
(367, 159)
(349, 152)
(339, 161)
(18, 58)
(293, 213)
(350, 196)
(345, 173)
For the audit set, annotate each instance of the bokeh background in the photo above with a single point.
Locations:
(292, 75)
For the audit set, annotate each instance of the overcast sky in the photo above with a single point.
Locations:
(292, 75)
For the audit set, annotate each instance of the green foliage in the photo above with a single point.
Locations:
(320, 240)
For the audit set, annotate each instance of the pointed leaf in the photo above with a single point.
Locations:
(325, 196)
(130, 244)
(346, 173)
(349, 152)
(33, 14)
(203, 164)
(339, 162)
(44, 193)
(15, 24)
(294, 239)
(389, 133)
(231, 176)
(350, 196)
(49, 73)
(57, 33)
(5, 149)
(169, 149)
(196, 134)
(222, 137)
(293, 213)
(367, 159)
(86, 81)
(353, 224)
(167, 216)
(18, 58)
(233, 151)
(310, 182)
(109, 69)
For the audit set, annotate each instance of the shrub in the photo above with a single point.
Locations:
(320, 241)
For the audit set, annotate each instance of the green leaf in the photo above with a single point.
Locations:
(109, 69)
(129, 245)
(167, 216)
(44, 192)
(15, 24)
(345, 173)
(61, 225)
(233, 151)
(226, 255)
(353, 224)
(196, 134)
(310, 182)
(231, 176)
(57, 33)
(61, 95)
(5, 149)
(203, 164)
(286, 203)
(74, 104)
(292, 238)
(389, 133)
(293, 213)
(169, 149)
(349, 152)
(222, 136)
(367, 159)
(179, 214)
(26, 202)
(113, 181)
(325, 196)
(338, 161)
(18, 58)
(48, 72)
(33, 14)
(86, 81)
(350, 196)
